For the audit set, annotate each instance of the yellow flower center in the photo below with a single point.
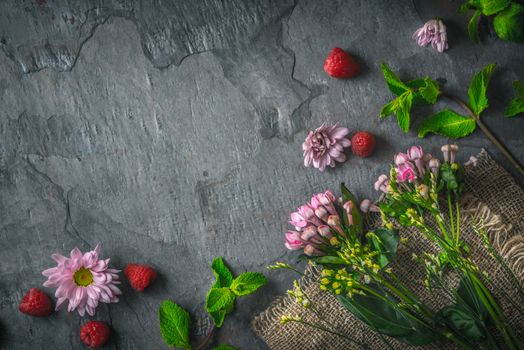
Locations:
(83, 277)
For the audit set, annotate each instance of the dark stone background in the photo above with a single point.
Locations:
(171, 131)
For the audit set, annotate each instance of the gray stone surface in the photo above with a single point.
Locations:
(170, 132)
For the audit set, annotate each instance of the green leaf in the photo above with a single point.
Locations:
(463, 323)
(509, 24)
(223, 275)
(358, 221)
(174, 324)
(395, 85)
(490, 7)
(447, 123)
(385, 242)
(516, 105)
(430, 90)
(248, 283)
(382, 317)
(402, 113)
(390, 108)
(466, 292)
(218, 317)
(473, 27)
(218, 299)
(478, 100)
(224, 347)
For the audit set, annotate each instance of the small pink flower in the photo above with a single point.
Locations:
(366, 206)
(405, 173)
(401, 158)
(416, 155)
(325, 146)
(382, 183)
(472, 161)
(83, 281)
(326, 200)
(434, 165)
(298, 221)
(433, 32)
(293, 241)
(325, 231)
(311, 250)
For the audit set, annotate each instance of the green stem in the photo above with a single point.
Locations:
(450, 207)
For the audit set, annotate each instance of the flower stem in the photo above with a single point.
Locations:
(487, 132)
(362, 345)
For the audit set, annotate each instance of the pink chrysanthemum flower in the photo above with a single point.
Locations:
(325, 146)
(434, 33)
(83, 281)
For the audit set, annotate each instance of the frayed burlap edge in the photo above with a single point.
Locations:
(507, 241)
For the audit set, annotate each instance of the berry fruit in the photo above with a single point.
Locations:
(363, 143)
(94, 334)
(139, 276)
(339, 64)
(36, 303)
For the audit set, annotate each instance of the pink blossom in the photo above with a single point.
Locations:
(83, 281)
(382, 183)
(416, 155)
(325, 146)
(405, 173)
(434, 165)
(401, 158)
(433, 32)
(325, 231)
(311, 250)
(366, 206)
(293, 241)
(472, 161)
(298, 221)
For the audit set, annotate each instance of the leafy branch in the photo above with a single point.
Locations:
(507, 17)
(220, 300)
(447, 122)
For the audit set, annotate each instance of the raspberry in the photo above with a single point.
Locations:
(339, 64)
(362, 143)
(139, 276)
(36, 303)
(94, 334)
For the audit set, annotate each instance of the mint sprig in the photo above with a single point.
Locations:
(423, 90)
(478, 100)
(516, 106)
(220, 300)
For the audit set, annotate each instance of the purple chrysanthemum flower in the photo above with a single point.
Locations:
(83, 281)
(434, 33)
(325, 145)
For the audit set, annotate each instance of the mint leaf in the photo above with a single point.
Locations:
(223, 275)
(174, 324)
(395, 85)
(478, 100)
(224, 347)
(490, 7)
(473, 27)
(247, 283)
(218, 317)
(430, 90)
(516, 105)
(447, 123)
(509, 24)
(402, 112)
(218, 299)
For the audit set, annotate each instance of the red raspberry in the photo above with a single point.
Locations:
(139, 276)
(339, 64)
(36, 303)
(363, 143)
(94, 334)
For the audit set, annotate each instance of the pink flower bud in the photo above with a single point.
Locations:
(333, 221)
(382, 183)
(298, 220)
(405, 172)
(434, 166)
(308, 233)
(401, 158)
(293, 240)
(472, 161)
(325, 231)
(453, 149)
(305, 211)
(445, 152)
(321, 212)
(415, 153)
(311, 250)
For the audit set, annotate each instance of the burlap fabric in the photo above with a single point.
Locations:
(492, 197)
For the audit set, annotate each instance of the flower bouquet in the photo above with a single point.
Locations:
(421, 193)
